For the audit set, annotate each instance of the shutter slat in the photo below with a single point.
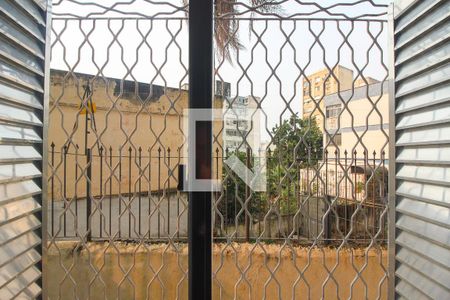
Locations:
(422, 149)
(22, 70)
(22, 19)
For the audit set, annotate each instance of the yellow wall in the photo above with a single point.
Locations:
(157, 271)
(359, 113)
(121, 123)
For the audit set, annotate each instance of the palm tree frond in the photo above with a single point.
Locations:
(227, 26)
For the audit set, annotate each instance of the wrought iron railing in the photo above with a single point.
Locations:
(90, 205)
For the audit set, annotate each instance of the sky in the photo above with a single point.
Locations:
(270, 65)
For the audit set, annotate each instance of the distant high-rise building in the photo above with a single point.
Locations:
(322, 83)
(241, 122)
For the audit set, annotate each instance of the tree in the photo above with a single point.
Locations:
(236, 192)
(298, 143)
(297, 139)
(225, 29)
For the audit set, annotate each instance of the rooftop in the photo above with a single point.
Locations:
(359, 93)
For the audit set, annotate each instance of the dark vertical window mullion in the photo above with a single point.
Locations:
(200, 96)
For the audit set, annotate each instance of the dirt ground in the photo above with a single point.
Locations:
(242, 271)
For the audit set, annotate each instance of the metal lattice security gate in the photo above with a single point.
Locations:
(117, 224)
(313, 79)
(302, 87)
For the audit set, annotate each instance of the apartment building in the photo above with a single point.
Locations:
(322, 83)
(362, 125)
(319, 84)
(355, 125)
(242, 124)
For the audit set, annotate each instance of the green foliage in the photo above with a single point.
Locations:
(297, 139)
(360, 186)
(377, 184)
(297, 144)
(236, 192)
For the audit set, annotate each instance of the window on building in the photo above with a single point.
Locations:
(337, 139)
(231, 132)
(242, 101)
(243, 124)
(333, 111)
(305, 88)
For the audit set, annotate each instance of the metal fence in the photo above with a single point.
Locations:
(142, 212)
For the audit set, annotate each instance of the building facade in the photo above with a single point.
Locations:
(354, 124)
(319, 84)
(242, 124)
(136, 126)
(359, 126)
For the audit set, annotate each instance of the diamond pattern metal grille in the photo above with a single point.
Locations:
(318, 77)
(115, 140)
(313, 80)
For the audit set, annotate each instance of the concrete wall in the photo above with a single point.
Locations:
(160, 272)
(122, 121)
